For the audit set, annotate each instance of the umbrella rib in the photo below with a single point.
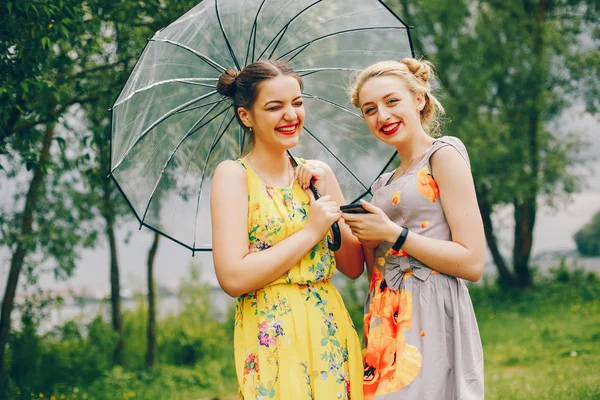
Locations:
(307, 72)
(284, 29)
(378, 175)
(172, 155)
(204, 58)
(253, 34)
(187, 167)
(231, 53)
(334, 156)
(214, 144)
(200, 106)
(158, 121)
(189, 81)
(307, 44)
(310, 96)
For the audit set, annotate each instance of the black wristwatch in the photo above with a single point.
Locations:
(401, 239)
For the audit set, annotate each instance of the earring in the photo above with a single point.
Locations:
(250, 128)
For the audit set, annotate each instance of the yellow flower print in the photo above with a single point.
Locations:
(426, 184)
(396, 198)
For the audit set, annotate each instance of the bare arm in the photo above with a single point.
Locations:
(237, 270)
(349, 258)
(463, 257)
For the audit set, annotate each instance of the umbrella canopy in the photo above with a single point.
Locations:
(170, 127)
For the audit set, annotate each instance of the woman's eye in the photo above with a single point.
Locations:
(299, 104)
(391, 101)
(273, 108)
(369, 110)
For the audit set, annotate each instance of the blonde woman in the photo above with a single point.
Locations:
(422, 238)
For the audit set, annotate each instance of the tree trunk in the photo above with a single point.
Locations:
(151, 328)
(115, 286)
(526, 209)
(504, 274)
(23, 243)
(524, 222)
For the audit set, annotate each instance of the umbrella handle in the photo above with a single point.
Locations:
(335, 228)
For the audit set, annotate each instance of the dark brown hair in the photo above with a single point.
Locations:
(243, 86)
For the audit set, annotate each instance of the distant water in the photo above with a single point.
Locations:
(166, 305)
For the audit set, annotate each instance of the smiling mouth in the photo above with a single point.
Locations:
(287, 130)
(390, 129)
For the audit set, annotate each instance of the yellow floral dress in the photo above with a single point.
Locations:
(294, 339)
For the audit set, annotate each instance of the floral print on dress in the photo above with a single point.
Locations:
(396, 198)
(389, 362)
(250, 365)
(300, 310)
(269, 332)
(426, 185)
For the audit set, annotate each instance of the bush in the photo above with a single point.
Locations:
(588, 238)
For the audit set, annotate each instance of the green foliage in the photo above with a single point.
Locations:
(69, 356)
(353, 292)
(195, 353)
(588, 238)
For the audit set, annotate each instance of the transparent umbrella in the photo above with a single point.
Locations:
(170, 127)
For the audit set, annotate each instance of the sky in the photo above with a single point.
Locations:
(554, 230)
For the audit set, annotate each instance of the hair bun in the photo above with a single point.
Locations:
(227, 84)
(421, 69)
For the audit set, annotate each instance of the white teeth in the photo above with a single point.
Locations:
(287, 129)
(391, 127)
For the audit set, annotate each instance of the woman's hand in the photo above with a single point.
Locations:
(372, 228)
(305, 173)
(322, 214)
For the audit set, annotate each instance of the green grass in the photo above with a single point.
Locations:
(542, 343)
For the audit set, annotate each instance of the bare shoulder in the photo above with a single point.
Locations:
(448, 159)
(229, 170)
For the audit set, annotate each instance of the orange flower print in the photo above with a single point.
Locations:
(250, 365)
(379, 362)
(396, 253)
(422, 333)
(390, 363)
(375, 278)
(425, 224)
(396, 198)
(381, 262)
(426, 184)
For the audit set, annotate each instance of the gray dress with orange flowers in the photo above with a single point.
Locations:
(421, 335)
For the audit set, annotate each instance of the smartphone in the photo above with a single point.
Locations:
(355, 208)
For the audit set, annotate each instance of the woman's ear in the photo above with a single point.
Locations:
(245, 117)
(420, 101)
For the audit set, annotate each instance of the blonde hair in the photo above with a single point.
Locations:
(416, 74)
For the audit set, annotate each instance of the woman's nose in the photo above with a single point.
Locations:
(290, 113)
(383, 115)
